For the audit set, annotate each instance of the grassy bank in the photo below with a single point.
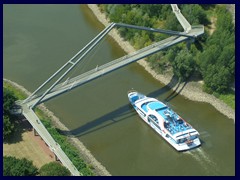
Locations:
(19, 94)
(228, 98)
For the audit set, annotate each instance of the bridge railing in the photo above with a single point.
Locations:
(48, 139)
(98, 68)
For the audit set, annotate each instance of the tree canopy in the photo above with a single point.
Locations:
(18, 167)
(217, 61)
(212, 56)
(8, 100)
(54, 169)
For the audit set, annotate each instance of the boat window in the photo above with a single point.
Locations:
(153, 118)
(166, 124)
(141, 112)
(193, 137)
(182, 140)
(180, 121)
(134, 98)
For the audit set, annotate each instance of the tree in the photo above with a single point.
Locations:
(195, 14)
(217, 61)
(18, 167)
(172, 23)
(217, 79)
(54, 169)
(183, 65)
(7, 126)
(8, 100)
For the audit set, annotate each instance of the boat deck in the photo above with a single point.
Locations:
(173, 123)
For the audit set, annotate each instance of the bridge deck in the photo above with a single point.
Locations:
(53, 145)
(113, 65)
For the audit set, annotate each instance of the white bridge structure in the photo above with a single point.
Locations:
(58, 87)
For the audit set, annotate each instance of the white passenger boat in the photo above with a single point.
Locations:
(176, 131)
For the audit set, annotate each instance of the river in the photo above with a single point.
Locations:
(38, 39)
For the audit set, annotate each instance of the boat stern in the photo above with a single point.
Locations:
(189, 145)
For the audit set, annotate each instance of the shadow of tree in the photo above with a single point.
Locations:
(21, 125)
(175, 92)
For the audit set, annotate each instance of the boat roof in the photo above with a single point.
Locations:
(175, 124)
(156, 105)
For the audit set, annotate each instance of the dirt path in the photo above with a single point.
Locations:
(191, 90)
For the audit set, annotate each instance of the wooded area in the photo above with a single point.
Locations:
(211, 57)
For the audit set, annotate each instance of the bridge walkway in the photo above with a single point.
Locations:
(53, 145)
(113, 65)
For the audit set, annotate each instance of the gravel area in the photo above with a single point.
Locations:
(191, 90)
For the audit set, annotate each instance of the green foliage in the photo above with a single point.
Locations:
(54, 169)
(217, 78)
(217, 61)
(147, 15)
(18, 167)
(195, 14)
(214, 55)
(224, 21)
(68, 148)
(157, 16)
(8, 127)
(228, 98)
(183, 65)
(172, 23)
(17, 93)
(8, 100)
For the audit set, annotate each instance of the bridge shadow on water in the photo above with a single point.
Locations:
(123, 112)
(104, 121)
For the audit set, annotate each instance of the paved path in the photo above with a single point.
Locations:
(53, 145)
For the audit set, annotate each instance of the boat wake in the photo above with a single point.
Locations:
(209, 166)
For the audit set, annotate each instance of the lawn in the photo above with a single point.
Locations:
(23, 143)
(229, 99)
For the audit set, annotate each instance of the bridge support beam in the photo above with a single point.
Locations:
(35, 133)
(189, 42)
(56, 158)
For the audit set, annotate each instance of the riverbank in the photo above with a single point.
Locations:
(190, 90)
(99, 169)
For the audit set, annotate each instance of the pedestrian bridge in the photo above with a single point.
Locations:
(69, 84)
(58, 87)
